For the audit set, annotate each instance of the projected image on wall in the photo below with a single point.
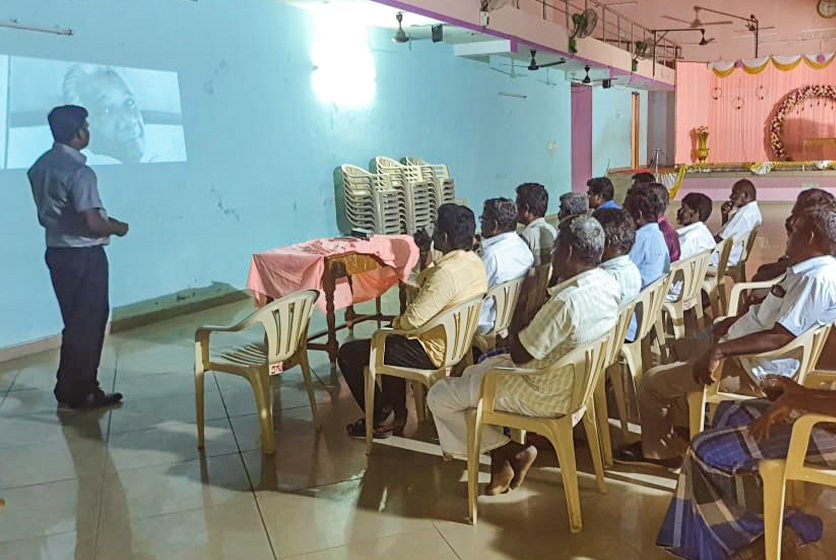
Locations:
(135, 113)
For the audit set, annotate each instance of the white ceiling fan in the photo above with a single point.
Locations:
(696, 22)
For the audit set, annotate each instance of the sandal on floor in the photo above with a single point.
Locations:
(358, 429)
(632, 455)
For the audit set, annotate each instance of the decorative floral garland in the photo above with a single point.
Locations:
(788, 103)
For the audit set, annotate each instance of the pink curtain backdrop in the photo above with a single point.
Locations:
(740, 135)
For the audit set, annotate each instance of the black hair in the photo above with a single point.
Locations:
(601, 186)
(699, 202)
(458, 223)
(821, 221)
(503, 211)
(747, 187)
(814, 197)
(643, 177)
(643, 201)
(65, 122)
(619, 229)
(585, 236)
(535, 196)
(662, 192)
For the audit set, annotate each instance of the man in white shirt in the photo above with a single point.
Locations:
(538, 234)
(694, 235)
(504, 253)
(740, 216)
(805, 299)
(582, 309)
(620, 234)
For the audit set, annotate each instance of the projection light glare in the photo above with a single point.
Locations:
(344, 73)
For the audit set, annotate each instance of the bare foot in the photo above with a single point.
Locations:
(501, 473)
(521, 462)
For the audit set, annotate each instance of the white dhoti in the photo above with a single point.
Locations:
(451, 399)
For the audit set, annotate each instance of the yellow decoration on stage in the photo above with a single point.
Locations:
(678, 183)
(787, 67)
(756, 66)
(758, 69)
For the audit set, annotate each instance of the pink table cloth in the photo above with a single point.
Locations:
(280, 272)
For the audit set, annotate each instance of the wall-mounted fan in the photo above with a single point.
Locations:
(583, 25)
(533, 66)
(485, 9)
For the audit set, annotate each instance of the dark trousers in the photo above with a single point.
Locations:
(353, 357)
(79, 277)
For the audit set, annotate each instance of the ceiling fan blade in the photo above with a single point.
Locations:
(679, 20)
(547, 65)
(717, 23)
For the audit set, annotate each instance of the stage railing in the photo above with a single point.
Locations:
(613, 27)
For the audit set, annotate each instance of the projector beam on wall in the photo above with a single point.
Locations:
(14, 24)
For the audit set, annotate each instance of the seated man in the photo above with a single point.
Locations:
(453, 279)
(643, 178)
(806, 199)
(504, 254)
(600, 193)
(740, 216)
(538, 234)
(649, 252)
(584, 309)
(709, 517)
(694, 235)
(805, 299)
(619, 234)
(671, 239)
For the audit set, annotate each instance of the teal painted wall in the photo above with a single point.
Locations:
(261, 145)
(611, 114)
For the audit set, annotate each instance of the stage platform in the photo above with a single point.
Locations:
(781, 184)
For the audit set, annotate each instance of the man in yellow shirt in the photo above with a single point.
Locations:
(454, 278)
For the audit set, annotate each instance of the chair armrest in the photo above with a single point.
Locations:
(737, 289)
(801, 430)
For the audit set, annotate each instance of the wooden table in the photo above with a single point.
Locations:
(345, 266)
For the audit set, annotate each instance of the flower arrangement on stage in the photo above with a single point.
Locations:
(784, 108)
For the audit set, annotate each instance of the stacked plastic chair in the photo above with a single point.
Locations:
(439, 174)
(371, 202)
(417, 197)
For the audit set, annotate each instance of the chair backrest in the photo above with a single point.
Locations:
(750, 244)
(811, 351)
(692, 271)
(590, 361)
(724, 248)
(650, 300)
(625, 314)
(505, 296)
(459, 324)
(285, 322)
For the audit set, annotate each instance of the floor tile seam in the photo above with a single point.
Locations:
(361, 540)
(120, 471)
(230, 502)
(53, 481)
(35, 537)
(300, 490)
(447, 542)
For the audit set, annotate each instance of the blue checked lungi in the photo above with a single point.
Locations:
(719, 495)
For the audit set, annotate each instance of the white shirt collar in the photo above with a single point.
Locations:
(810, 264)
(498, 239)
(689, 227)
(536, 223)
(615, 262)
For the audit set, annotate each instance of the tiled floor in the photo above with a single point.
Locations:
(130, 484)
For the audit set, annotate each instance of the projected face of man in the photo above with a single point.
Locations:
(115, 118)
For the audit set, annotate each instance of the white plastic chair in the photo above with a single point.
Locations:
(809, 345)
(738, 271)
(505, 297)
(692, 271)
(637, 352)
(587, 365)
(285, 322)
(777, 473)
(613, 353)
(715, 281)
(459, 324)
